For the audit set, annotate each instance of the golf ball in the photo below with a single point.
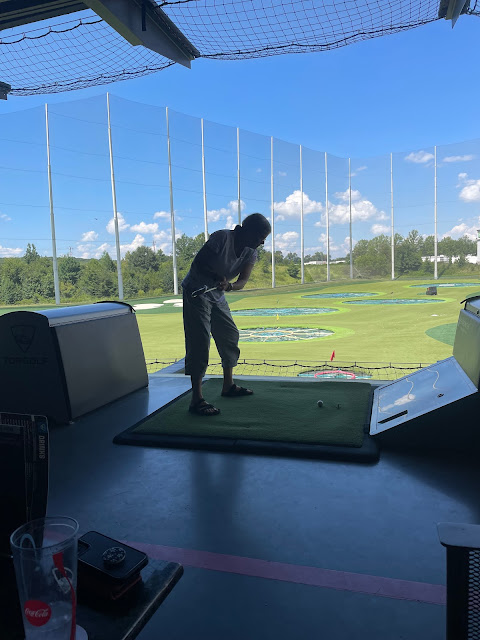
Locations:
(320, 403)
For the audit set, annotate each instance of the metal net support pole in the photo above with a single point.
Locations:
(56, 283)
(205, 211)
(272, 212)
(350, 215)
(172, 211)
(302, 240)
(239, 201)
(435, 238)
(114, 203)
(327, 218)
(392, 223)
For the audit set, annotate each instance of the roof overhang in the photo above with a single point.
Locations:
(140, 22)
(15, 13)
(452, 9)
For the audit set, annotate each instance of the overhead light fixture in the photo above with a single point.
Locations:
(4, 90)
(453, 9)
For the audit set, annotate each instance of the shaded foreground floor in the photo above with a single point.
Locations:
(378, 520)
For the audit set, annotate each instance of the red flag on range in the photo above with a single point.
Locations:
(332, 356)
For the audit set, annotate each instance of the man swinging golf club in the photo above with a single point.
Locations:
(226, 255)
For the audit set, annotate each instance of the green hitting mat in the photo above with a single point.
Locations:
(280, 417)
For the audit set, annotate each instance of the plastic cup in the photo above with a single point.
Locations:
(45, 559)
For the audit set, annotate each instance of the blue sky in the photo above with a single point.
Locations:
(402, 94)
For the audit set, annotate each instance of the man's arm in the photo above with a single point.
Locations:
(240, 282)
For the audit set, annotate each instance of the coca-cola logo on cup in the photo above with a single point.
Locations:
(37, 612)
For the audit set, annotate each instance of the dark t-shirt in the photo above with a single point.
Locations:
(225, 262)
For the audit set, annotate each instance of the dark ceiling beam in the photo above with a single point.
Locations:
(14, 13)
(142, 22)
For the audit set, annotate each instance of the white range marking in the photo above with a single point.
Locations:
(146, 306)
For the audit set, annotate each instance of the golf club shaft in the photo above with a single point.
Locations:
(200, 292)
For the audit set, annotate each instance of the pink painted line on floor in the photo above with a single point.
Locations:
(299, 574)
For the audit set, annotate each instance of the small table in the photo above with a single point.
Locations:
(125, 618)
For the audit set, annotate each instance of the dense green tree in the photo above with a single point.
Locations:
(69, 269)
(107, 263)
(37, 283)
(98, 280)
(31, 254)
(143, 258)
(292, 257)
(12, 273)
(407, 257)
(319, 256)
(466, 246)
(187, 248)
(293, 270)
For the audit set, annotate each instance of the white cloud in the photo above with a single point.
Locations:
(287, 241)
(282, 173)
(462, 229)
(87, 251)
(419, 157)
(9, 252)
(3, 216)
(362, 209)
(322, 239)
(356, 171)
(162, 214)
(345, 196)
(291, 206)
(230, 223)
(144, 227)
(345, 246)
(138, 241)
(214, 215)
(163, 240)
(471, 189)
(378, 229)
(89, 236)
(122, 224)
(466, 158)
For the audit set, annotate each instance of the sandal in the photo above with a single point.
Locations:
(203, 408)
(236, 392)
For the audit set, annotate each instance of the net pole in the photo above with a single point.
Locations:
(114, 204)
(172, 211)
(328, 219)
(272, 212)
(56, 284)
(239, 201)
(302, 237)
(435, 240)
(350, 215)
(205, 211)
(392, 227)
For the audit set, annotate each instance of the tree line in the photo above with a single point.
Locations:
(149, 273)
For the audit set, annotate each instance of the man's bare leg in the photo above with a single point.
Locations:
(228, 384)
(196, 389)
(197, 395)
(227, 379)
